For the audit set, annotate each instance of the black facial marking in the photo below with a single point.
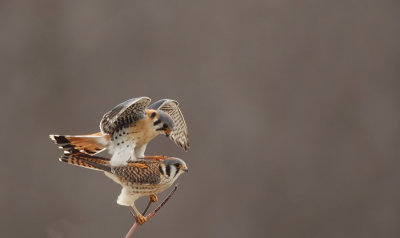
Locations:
(177, 165)
(160, 169)
(153, 114)
(157, 122)
(168, 171)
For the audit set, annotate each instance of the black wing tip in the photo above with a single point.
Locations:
(63, 143)
(59, 139)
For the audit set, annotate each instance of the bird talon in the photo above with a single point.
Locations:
(153, 198)
(140, 219)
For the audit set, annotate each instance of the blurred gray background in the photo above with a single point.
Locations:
(292, 108)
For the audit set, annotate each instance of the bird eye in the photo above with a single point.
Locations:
(178, 165)
(153, 114)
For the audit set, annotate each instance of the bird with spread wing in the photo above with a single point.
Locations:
(126, 130)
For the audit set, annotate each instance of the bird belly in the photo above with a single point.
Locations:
(146, 189)
(131, 192)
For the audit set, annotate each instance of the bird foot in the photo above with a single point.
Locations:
(153, 198)
(140, 219)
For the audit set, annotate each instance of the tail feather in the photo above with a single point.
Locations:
(87, 161)
(88, 144)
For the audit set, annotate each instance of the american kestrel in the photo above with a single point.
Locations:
(128, 127)
(143, 177)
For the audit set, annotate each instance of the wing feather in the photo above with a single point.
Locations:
(124, 113)
(143, 172)
(180, 133)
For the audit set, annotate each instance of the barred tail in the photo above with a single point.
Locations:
(86, 161)
(88, 144)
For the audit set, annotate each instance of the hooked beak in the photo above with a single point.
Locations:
(185, 169)
(167, 132)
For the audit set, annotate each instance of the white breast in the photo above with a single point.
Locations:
(122, 147)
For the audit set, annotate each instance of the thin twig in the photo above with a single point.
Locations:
(147, 207)
(163, 203)
(133, 228)
(136, 225)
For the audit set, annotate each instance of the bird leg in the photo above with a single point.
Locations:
(139, 217)
(153, 198)
(136, 225)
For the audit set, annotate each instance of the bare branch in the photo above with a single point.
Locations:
(130, 232)
(136, 225)
(163, 203)
(147, 207)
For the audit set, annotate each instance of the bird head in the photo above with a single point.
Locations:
(173, 167)
(162, 122)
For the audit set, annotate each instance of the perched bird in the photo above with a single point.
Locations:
(144, 177)
(128, 127)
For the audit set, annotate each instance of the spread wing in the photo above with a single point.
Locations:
(124, 113)
(180, 133)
